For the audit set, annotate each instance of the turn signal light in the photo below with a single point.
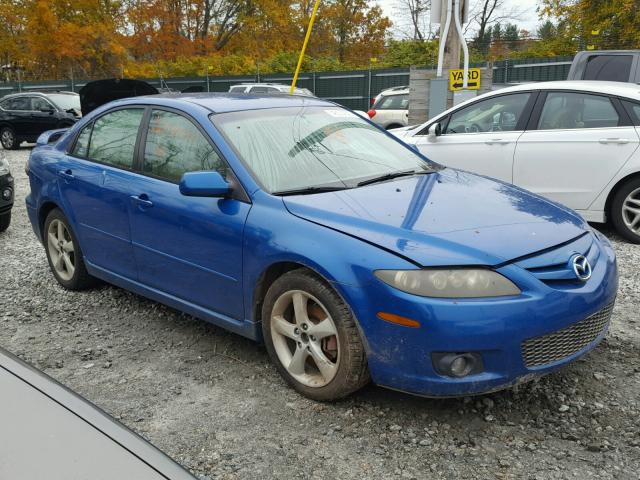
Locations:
(398, 320)
(371, 113)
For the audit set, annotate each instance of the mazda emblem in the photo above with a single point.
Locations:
(581, 267)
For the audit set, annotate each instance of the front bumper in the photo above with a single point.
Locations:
(6, 185)
(400, 357)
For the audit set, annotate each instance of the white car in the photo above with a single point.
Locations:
(268, 88)
(391, 108)
(574, 142)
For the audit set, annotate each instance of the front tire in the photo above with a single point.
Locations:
(64, 254)
(312, 337)
(5, 221)
(625, 210)
(8, 138)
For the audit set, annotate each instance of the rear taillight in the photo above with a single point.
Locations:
(371, 113)
(373, 100)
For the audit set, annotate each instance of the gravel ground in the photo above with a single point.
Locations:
(212, 401)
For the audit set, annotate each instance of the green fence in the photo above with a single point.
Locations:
(531, 70)
(353, 89)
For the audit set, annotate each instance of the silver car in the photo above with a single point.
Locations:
(391, 108)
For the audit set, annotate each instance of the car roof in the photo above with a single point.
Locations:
(623, 89)
(229, 101)
(401, 90)
(44, 94)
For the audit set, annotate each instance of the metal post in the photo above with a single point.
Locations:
(369, 95)
(304, 46)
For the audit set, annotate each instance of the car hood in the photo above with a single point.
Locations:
(448, 217)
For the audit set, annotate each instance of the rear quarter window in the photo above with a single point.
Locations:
(392, 102)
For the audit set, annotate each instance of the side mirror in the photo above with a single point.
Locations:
(434, 131)
(204, 184)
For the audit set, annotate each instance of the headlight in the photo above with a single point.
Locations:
(4, 166)
(449, 283)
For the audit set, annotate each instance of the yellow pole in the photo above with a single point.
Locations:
(304, 46)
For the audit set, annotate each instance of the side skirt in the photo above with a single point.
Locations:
(245, 328)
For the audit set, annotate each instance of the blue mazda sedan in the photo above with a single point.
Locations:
(295, 222)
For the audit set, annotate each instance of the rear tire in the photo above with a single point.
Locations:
(312, 337)
(625, 210)
(5, 221)
(64, 254)
(8, 138)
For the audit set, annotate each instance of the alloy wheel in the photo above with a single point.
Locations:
(631, 211)
(61, 250)
(7, 138)
(305, 338)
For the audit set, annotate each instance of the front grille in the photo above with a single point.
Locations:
(555, 346)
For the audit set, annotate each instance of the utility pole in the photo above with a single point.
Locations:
(452, 44)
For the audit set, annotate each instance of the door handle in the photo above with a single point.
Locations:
(142, 200)
(497, 141)
(66, 174)
(620, 141)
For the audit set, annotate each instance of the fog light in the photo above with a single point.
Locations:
(457, 365)
(461, 366)
(7, 193)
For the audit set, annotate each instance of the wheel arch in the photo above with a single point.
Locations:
(270, 275)
(43, 211)
(616, 188)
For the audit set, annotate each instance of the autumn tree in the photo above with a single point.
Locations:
(608, 23)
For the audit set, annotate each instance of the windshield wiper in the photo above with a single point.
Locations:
(390, 176)
(309, 190)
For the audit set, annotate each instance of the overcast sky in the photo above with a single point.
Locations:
(529, 18)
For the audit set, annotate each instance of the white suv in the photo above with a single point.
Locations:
(391, 108)
(268, 88)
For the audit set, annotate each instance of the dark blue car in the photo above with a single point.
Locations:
(295, 222)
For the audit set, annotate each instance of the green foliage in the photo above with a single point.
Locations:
(410, 52)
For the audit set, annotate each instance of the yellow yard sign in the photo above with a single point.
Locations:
(456, 77)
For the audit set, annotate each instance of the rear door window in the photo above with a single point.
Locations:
(17, 104)
(392, 102)
(616, 68)
(81, 147)
(568, 110)
(114, 135)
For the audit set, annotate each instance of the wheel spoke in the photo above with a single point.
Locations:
(67, 263)
(300, 308)
(59, 262)
(296, 366)
(323, 329)
(283, 327)
(326, 367)
(634, 201)
(53, 240)
(632, 210)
